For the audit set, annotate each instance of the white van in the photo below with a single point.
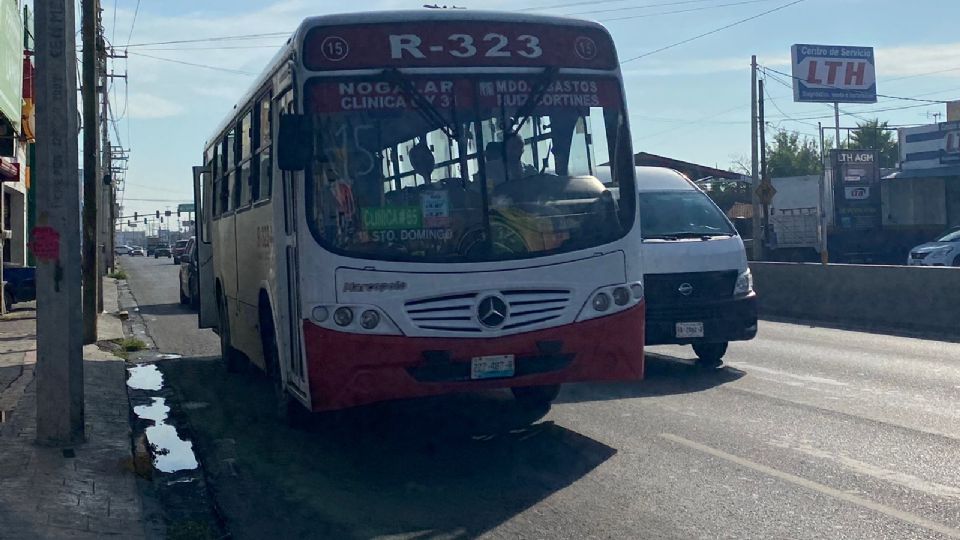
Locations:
(698, 285)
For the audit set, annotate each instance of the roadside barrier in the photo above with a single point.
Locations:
(899, 299)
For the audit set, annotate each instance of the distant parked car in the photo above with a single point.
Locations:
(162, 250)
(20, 284)
(944, 251)
(122, 250)
(137, 251)
(189, 279)
(178, 250)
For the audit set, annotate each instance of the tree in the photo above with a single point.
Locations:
(875, 135)
(787, 155)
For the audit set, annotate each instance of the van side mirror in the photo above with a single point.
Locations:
(293, 142)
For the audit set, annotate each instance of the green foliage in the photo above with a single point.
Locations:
(119, 274)
(788, 155)
(875, 135)
(131, 344)
(726, 194)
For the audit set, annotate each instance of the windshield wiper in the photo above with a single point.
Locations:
(533, 98)
(704, 235)
(427, 110)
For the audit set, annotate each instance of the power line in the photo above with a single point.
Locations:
(208, 48)
(641, 6)
(133, 24)
(711, 32)
(688, 10)
(922, 74)
(205, 66)
(207, 39)
(878, 95)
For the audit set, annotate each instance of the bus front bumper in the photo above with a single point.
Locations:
(348, 370)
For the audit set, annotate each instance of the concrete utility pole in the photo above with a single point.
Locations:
(91, 176)
(104, 225)
(764, 179)
(56, 237)
(754, 161)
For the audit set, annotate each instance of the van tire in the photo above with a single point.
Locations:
(535, 397)
(710, 354)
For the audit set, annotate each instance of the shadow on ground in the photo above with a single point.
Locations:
(454, 466)
(665, 375)
(159, 310)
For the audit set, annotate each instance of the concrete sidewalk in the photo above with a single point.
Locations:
(86, 491)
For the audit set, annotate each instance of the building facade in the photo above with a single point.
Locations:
(16, 132)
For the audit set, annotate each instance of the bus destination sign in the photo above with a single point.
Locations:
(457, 44)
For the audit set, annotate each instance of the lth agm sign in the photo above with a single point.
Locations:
(834, 74)
(856, 189)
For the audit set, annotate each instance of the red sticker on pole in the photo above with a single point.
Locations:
(45, 245)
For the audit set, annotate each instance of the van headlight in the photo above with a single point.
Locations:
(744, 284)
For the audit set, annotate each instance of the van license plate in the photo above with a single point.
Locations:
(492, 367)
(689, 329)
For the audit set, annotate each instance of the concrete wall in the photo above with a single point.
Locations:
(883, 298)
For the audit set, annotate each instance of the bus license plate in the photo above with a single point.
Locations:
(689, 329)
(492, 367)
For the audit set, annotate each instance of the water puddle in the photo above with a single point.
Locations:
(170, 452)
(145, 377)
(168, 356)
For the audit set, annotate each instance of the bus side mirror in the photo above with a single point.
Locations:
(293, 144)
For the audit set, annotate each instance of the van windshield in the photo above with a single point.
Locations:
(672, 215)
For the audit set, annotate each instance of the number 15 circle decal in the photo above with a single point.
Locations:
(335, 48)
(585, 48)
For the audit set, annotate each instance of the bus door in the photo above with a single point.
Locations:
(202, 194)
(288, 290)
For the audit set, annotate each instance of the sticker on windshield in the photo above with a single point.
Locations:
(435, 207)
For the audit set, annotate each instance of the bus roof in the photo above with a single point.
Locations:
(386, 17)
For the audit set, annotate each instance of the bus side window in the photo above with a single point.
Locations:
(245, 136)
(234, 160)
(263, 167)
(215, 176)
(227, 167)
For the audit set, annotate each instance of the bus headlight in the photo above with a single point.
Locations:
(321, 314)
(369, 319)
(621, 296)
(637, 291)
(343, 316)
(601, 301)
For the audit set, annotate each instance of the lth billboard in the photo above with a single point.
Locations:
(834, 74)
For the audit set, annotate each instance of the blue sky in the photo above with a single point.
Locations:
(689, 102)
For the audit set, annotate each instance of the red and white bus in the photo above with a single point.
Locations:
(407, 204)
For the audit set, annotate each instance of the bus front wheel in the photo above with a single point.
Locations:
(288, 410)
(535, 397)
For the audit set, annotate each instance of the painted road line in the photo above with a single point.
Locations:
(815, 486)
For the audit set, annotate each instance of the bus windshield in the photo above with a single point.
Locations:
(466, 169)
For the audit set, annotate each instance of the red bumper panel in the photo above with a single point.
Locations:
(347, 370)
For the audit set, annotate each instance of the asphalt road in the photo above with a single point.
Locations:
(806, 433)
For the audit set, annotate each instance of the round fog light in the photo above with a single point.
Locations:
(637, 290)
(369, 319)
(621, 296)
(320, 314)
(343, 316)
(601, 302)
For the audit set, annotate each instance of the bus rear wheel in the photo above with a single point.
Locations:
(231, 357)
(535, 397)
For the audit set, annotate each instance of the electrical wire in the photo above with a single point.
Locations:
(878, 95)
(689, 10)
(641, 6)
(711, 32)
(208, 39)
(133, 24)
(205, 66)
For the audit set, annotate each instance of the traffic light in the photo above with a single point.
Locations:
(178, 213)
(144, 221)
(135, 218)
(167, 213)
(158, 214)
(161, 220)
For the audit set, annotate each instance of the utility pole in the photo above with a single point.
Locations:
(754, 159)
(764, 179)
(56, 236)
(836, 119)
(104, 228)
(91, 266)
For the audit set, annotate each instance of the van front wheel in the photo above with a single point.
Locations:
(710, 354)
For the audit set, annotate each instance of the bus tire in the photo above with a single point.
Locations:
(287, 409)
(535, 397)
(710, 354)
(231, 358)
(956, 261)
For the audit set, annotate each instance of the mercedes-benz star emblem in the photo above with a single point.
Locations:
(492, 311)
(685, 289)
